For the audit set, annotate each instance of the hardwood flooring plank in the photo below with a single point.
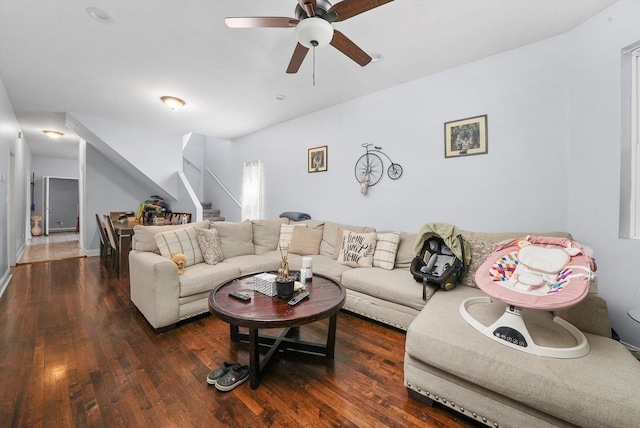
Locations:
(75, 352)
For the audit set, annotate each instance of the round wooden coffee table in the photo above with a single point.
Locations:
(326, 297)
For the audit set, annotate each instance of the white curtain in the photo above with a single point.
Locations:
(252, 190)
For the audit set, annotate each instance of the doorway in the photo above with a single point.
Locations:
(61, 204)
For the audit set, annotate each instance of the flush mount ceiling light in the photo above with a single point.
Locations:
(314, 32)
(172, 102)
(99, 15)
(53, 134)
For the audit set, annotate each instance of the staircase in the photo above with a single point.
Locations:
(210, 214)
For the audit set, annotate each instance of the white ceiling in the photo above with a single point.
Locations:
(54, 58)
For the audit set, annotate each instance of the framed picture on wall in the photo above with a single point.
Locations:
(317, 159)
(465, 137)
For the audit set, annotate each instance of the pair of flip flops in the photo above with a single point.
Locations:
(228, 376)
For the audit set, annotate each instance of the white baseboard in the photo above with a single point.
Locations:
(630, 347)
(6, 279)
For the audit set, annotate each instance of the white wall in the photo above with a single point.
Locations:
(553, 137)
(157, 155)
(107, 188)
(193, 163)
(15, 158)
(526, 105)
(594, 155)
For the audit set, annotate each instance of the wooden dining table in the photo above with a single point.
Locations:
(124, 235)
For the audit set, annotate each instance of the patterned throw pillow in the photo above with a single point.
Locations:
(386, 247)
(480, 251)
(286, 233)
(209, 241)
(180, 241)
(356, 249)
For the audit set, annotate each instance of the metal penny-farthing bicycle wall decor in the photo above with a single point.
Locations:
(370, 168)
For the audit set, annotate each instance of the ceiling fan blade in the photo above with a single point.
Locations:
(261, 21)
(296, 59)
(309, 6)
(350, 49)
(349, 8)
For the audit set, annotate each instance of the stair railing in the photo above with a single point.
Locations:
(224, 187)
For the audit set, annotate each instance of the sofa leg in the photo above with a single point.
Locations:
(419, 397)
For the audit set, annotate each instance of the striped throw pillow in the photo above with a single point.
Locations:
(386, 248)
(180, 241)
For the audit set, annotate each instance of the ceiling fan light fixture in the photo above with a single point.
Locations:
(172, 102)
(314, 32)
(52, 134)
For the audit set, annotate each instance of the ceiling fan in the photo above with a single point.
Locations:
(313, 27)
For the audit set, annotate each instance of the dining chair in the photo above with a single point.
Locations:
(104, 246)
(113, 242)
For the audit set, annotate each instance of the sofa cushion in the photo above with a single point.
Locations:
(180, 241)
(599, 389)
(305, 241)
(405, 253)
(251, 263)
(144, 237)
(332, 237)
(397, 285)
(266, 234)
(326, 266)
(203, 277)
(236, 238)
(357, 248)
(386, 248)
(209, 241)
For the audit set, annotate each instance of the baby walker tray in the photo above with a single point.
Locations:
(535, 272)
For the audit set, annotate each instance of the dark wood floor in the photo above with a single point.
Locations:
(74, 352)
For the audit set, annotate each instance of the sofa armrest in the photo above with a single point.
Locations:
(154, 287)
(589, 316)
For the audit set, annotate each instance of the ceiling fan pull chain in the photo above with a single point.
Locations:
(314, 66)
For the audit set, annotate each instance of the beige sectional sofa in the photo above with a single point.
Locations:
(446, 360)
(166, 298)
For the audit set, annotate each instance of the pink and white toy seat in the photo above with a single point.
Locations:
(535, 272)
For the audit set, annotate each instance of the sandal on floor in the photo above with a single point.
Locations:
(216, 374)
(234, 377)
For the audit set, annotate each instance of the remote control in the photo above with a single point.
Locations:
(298, 298)
(240, 296)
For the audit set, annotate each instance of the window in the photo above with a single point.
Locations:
(630, 150)
(252, 191)
(635, 151)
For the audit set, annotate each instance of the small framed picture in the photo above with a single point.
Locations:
(318, 159)
(465, 137)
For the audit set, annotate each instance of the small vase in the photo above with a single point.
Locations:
(36, 230)
(284, 288)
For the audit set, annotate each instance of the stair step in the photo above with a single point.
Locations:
(206, 205)
(211, 215)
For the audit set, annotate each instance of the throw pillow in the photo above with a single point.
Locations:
(356, 249)
(236, 239)
(286, 232)
(305, 242)
(209, 241)
(180, 241)
(386, 248)
(480, 251)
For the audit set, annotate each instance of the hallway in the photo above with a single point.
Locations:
(56, 246)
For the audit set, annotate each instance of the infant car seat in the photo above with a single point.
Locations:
(441, 259)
